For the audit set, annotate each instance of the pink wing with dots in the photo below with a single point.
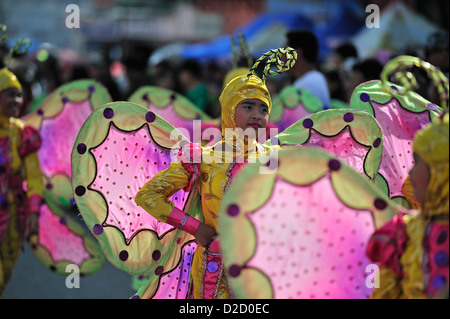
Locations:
(121, 147)
(302, 231)
(399, 117)
(62, 241)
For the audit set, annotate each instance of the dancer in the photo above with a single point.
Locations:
(246, 104)
(19, 143)
(412, 250)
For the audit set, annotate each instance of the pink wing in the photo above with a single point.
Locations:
(302, 232)
(63, 241)
(59, 119)
(400, 117)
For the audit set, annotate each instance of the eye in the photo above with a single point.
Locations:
(247, 106)
(264, 109)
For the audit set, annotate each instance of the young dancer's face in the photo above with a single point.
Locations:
(10, 102)
(253, 114)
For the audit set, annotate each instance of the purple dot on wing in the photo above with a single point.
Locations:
(123, 255)
(91, 89)
(108, 113)
(334, 164)
(40, 112)
(81, 148)
(80, 190)
(135, 297)
(145, 97)
(364, 97)
(308, 123)
(97, 229)
(348, 117)
(64, 100)
(380, 204)
(234, 271)
(233, 210)
(156, 255)
(159, 270)
(377, 142)
(150, 117)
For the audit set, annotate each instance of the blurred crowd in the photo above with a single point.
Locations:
(43, 71)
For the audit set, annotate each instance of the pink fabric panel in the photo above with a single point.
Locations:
(311, 253)
(59, 240)
(344, 146)
(399, 128)
(125, 162)
(175, 284)
(58, 135)
(291, 116)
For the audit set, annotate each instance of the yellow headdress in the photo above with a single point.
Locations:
(251, 86)
(7, 78)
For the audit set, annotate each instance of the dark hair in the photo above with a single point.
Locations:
(306, 42)
(370, 68)
(346, 50)
(192, 67)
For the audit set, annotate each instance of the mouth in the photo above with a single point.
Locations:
(255, 125)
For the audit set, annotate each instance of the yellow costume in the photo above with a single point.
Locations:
(214, 175)
(18, 162)
(413, 249)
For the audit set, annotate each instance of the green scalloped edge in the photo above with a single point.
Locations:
(291, 97)
(160, 98)
(291, 171)
(297, 134)
(412, 101)
(99, 97)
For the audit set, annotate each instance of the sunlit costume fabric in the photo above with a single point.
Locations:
(208, 276)
(18, 163)
(413, 249)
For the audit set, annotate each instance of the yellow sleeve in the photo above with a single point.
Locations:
(33, 175)
(154, 195)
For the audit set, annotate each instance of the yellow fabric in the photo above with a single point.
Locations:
(9, 249)
(239, 89)
(411, 260)
(233, 74)
(8, 80)
(30, 168)
(408, 192)
(389, 285)
(432, 145)
(212, 183)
